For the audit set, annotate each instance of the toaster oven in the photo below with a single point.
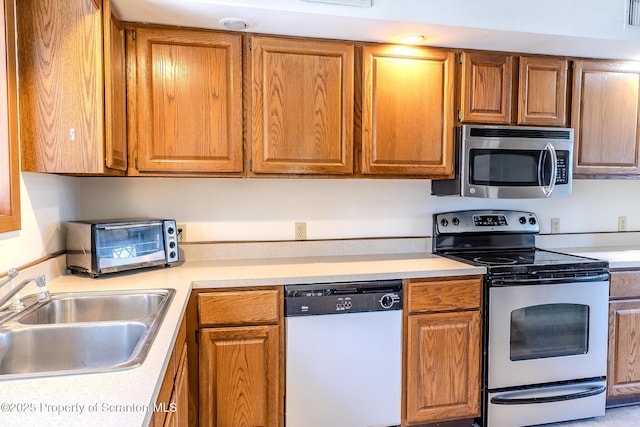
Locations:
(108, 246)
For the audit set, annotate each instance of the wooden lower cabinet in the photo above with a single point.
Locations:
(623, 373)
(441, 374)
(241, 372)
(241, 367)
(172, 405)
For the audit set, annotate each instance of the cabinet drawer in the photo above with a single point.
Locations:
(443, 294)
(238, 308)
(625, 284)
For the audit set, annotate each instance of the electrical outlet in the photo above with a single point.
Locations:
(622, 223)
(182, 232)
(555, 225)
(301, 231)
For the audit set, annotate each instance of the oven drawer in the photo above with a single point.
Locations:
(539, 405)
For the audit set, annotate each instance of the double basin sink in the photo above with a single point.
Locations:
(81, 332)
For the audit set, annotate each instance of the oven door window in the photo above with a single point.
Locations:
(500, 167)
(549, 330)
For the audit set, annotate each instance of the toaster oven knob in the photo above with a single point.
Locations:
(444, 222)
(172, 245)
(523, 220)
(172, 254)
(170, 230)
(532, 221)
(455, 221)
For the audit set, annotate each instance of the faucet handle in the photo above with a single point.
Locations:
(12, 273)
(43, 292)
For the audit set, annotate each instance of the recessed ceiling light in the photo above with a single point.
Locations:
(235, 24)
(411, 39)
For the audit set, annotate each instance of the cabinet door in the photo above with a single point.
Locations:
(442, 367)
(542, 91)
(605, 117)
(188, 109)
(61, 88)
(115, 99)
(239, 377)
(485, 87)
(623, 376)
(407, 111)
(301, 106)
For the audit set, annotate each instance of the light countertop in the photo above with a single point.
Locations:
(124, 398)
(619, 257)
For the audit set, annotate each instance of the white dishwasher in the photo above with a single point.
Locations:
(344, 354)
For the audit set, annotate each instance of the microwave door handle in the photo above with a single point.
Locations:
(554, 170)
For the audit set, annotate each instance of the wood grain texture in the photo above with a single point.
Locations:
(239, 308)
(443, 294)
(301, 106)
(486, 87)
(624, 284)
(606, 117)
(239, 377)
(542, 91)
(188, 109)
(61, 86)
(443, 367)
(115, 89)
(407, 111)
(9, 149)
(623, 376)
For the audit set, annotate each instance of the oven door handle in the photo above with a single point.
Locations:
(506, 400)
(601, 277)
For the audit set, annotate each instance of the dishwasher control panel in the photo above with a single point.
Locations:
(343, 297)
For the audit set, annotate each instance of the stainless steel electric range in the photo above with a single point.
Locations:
(545, 319)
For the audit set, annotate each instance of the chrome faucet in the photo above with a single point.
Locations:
(42, 294)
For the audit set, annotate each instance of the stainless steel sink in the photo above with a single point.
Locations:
(94, 307)
(62, 349)
(82, 332)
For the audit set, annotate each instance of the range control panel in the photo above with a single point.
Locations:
(344, 297)
(479, 221)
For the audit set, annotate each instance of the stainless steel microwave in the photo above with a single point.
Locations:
(107, 246)
(510, 162)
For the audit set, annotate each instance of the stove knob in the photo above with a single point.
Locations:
(523, 220)
(444, 222)
(455, 221)
(532, 221)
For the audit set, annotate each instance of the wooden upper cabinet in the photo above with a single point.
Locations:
(542, 91)
(605, 117)
(491, 92)
(115, 89)
(62, 86)
(300, 106)
(486, 82)
(9, 157)
(406, 108)
(186, 106)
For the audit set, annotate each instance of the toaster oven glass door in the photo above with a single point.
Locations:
(121, 245)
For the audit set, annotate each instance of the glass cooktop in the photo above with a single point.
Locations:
(505, 260)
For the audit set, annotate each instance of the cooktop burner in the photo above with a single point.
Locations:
(494, 260)
(527, 257)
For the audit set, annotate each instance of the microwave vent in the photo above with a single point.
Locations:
(520, 133)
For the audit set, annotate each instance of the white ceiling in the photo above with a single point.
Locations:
(585, 28)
